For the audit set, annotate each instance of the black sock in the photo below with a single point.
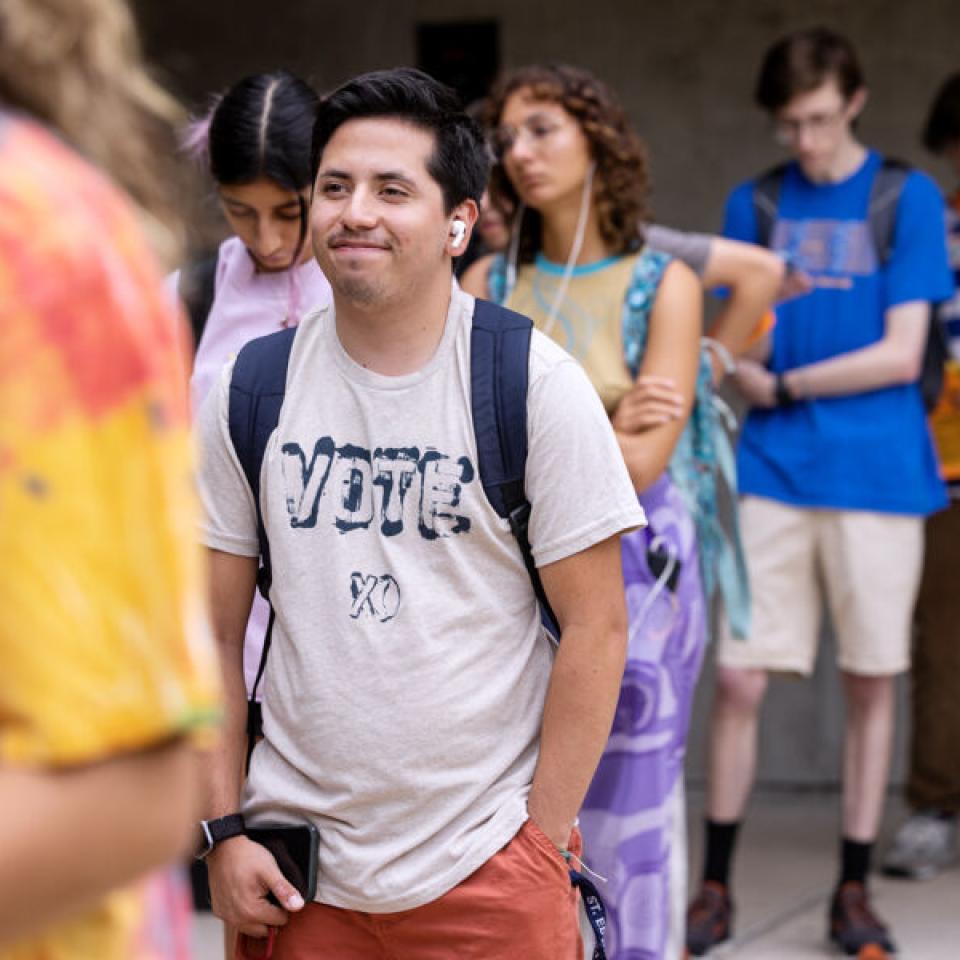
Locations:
(854, 861)
(721, 839)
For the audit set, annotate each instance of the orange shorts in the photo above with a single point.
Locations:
(518, 904)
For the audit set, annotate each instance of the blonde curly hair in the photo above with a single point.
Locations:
(76, 66)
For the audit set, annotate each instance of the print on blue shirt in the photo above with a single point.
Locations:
(353, 487)
(835, 247)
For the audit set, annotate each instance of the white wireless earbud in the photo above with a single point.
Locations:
(458, 230)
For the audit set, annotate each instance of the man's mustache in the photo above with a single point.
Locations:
(346, 239)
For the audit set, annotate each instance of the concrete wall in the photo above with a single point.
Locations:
(685, 71)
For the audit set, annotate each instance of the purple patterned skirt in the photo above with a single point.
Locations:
(632, 813)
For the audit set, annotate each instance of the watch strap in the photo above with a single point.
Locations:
(216, 831)
(782, 392)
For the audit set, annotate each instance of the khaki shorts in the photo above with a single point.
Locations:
(865, 565)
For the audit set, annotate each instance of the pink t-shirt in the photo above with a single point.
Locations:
(248, 305)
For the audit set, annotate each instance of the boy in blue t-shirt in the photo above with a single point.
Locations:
(836, 466)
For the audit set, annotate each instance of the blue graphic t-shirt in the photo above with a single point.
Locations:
(864, 451)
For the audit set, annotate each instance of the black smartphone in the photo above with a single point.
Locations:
(295, 848)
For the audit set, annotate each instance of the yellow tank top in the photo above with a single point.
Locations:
(588, 324)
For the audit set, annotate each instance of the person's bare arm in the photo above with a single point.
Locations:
(754, 277)
(896, 358)
(232, 584)
(70, 836)
(474, 279)
(242, 873)
(586, 594)
(672, 356)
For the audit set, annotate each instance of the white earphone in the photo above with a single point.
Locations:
(458, 230)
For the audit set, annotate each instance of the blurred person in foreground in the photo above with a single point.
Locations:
(108, 679)
(927, 840)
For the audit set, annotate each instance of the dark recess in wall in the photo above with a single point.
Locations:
(464, 55)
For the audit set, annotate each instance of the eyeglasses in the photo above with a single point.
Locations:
(787, 131)
(536, 132)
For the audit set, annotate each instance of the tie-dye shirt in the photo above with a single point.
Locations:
(104, 640)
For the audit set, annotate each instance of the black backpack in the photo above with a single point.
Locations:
(196, 288)
(882, 217)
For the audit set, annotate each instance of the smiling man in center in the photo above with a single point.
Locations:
(414, 710)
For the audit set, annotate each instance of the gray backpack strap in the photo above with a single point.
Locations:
(881, 212)
(766, 202)
(884, 203)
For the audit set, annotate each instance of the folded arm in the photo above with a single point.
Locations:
(754, 277)
(897, 358)
(670, 362)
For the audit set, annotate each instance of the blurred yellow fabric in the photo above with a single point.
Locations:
(945, 422)
(104, 638)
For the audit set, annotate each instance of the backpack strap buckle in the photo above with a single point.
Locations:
(519, 519)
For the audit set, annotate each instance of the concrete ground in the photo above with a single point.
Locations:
(784, 871)
(785, 867)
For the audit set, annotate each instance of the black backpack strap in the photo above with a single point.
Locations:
(257, 389)
(499, 373)
(766, 202)
(197, 288)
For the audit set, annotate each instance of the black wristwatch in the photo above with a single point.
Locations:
(781, 391)
(216, 831)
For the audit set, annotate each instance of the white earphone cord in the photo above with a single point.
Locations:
(577, 245)
(513, 252)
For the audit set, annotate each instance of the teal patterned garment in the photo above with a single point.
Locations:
(703, 458)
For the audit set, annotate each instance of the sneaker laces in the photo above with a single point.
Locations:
(711, 899)
(855, 905)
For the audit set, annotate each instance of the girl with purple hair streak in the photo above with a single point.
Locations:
(576, 172)
(255, 140)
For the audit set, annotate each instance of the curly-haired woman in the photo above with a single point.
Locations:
(577, 173)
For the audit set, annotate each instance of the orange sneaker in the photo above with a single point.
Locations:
(855, 928)
(709, 919)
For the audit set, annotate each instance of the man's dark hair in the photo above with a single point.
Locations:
(459, 162)
(943, 122)
(801, 62)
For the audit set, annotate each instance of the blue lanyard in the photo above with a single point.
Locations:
(596, 913)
